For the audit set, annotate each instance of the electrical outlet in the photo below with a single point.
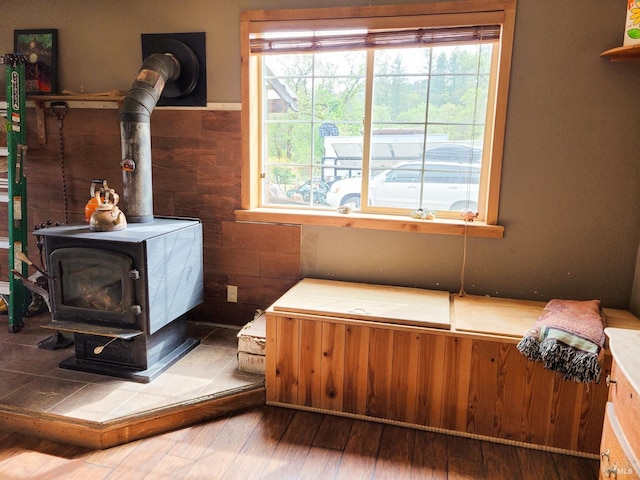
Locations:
(232, 293)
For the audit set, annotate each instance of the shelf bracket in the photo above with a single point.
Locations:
(40, 122)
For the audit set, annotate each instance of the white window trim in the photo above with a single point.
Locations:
(443, 13)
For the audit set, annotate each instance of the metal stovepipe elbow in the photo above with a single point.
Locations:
(135, 116)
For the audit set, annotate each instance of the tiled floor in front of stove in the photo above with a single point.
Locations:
(31, 381)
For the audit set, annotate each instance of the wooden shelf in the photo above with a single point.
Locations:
(76, 98)
(623, 54)
(39, 103)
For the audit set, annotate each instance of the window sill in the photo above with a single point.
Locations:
(369, 221)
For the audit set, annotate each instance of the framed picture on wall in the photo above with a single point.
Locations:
(40, 47)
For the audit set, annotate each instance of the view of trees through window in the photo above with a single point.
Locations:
(427, 113)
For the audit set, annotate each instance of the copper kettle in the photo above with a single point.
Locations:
(107, 217)
(95, 200)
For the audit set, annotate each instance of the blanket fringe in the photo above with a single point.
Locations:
(570, 363)
(530, 348)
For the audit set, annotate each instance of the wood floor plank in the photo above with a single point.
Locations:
(465, 458)
(42, 458)
(430, 454)
(569, 467)
(333, 432)
(361, 451)
(171, 467)
(460, 468)
(224, 448)
(197, 438)
(501, 461)
(395, 453)
(535, 464)
(112, 457)
(464, 447)
(321, 464)
(87, 471)
(289, 456)
(143, 458)
(259, 447)
(59, 458)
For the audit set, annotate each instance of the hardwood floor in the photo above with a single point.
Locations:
(281, 444)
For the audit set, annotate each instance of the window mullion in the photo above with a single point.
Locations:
(312, 123)
(366, 135)
(426, 121)
(261, 134)
(489, 176)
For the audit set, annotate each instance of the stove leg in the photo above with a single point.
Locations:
(55, 341)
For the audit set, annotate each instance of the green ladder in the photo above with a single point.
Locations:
(16, 185)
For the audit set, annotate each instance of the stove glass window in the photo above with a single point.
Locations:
(87, 284)
(92, 285)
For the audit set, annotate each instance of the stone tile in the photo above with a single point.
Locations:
(199, 330)
(42, 393)
(176, 384)
(223, 338)
(29, 359)
(93, 402)
(141, 402)
(204, 362)
(75, 375)
(115, 382)
(231, 380)
(11, 381)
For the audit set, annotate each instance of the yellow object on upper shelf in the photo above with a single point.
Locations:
(630, 49)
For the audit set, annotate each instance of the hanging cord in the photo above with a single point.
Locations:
(59, 109)
(462, 293)
(469, 216)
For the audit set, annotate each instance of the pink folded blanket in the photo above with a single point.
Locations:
(568, 338)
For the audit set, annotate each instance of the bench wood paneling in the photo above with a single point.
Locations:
(468, 382)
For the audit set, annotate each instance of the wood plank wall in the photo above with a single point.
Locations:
(464, 383)
(196, 173)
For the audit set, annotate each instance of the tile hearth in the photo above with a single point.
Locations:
(37, 397)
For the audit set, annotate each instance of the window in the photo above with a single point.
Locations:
(386, 109)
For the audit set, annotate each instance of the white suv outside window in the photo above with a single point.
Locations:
(437, 186)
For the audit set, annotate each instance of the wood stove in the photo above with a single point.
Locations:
(124, 294)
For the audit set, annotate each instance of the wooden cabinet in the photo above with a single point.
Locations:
(620, 445)
(436, 361)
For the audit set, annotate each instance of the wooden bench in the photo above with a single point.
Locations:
(429, 360)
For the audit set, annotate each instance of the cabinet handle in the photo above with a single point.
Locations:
(610, 380)
(608, 472)
(604, 455)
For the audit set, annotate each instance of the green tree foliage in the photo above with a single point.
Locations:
(330, 88)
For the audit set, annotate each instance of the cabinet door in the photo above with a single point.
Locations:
(615, 457)
(627, 407)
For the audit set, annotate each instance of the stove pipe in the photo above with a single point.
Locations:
(135, 133)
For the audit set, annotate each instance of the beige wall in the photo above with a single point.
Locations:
(571, 175)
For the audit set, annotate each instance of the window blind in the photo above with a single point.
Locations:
(320, 42)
